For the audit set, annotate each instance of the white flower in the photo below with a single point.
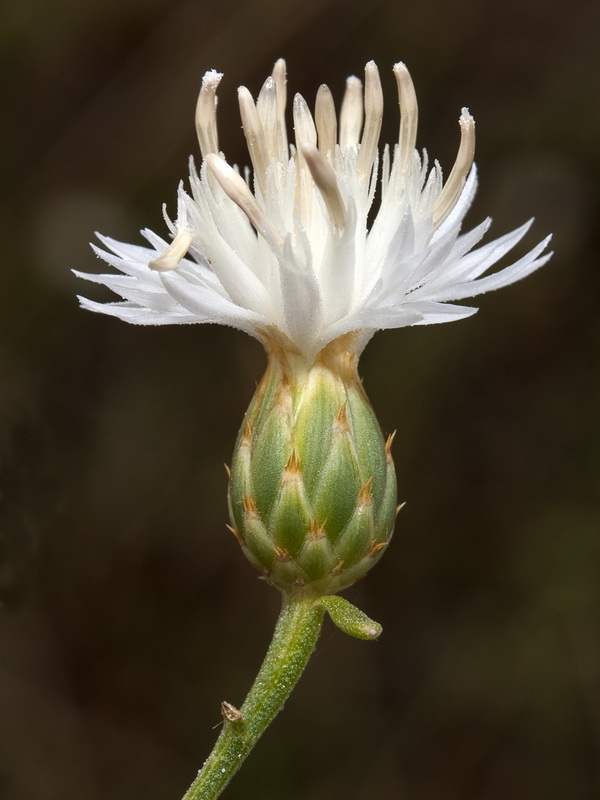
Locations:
(288, 254)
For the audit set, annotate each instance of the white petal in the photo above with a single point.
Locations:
(301, 296)
(446, 256)
(209, 307)
(434, 313)
(338, 268)
(131, 252)
(135, 268)
(474, 264)
(520, 269)
(139, 316)
(373, 319)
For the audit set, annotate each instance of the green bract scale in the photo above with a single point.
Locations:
(312, 488)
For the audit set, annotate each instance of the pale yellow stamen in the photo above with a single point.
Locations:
(351, 114)
(373, 120)
(326, 120)
(279, 79)
(304, 125)
(177, 250)
(305, 133)
(409, 113)
(267, 112)
(206, 113)
(236, 188)
(464, 161)
(326, 182)
(255, 137)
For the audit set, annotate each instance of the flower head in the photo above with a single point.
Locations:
(286, 254)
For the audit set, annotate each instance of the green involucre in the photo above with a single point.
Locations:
(313, 490)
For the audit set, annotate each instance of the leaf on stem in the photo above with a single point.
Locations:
(349, 618)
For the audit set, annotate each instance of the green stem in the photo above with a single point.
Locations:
(294, 639)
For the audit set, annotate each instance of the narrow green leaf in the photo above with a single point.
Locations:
(349, 618)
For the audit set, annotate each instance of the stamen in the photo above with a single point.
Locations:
(326, 182)
(175, 252)
(255, 137)
(206, 113)
(305, 133)
(279, 79)
(464, 161)
(326, 120)
(304, 125)
(373, 119)
(409, 113)
(267, 112)
(351, 114)
(236, 188)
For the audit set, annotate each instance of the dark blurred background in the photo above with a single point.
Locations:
(128, 612)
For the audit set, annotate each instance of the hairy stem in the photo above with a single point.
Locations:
(294, 639)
